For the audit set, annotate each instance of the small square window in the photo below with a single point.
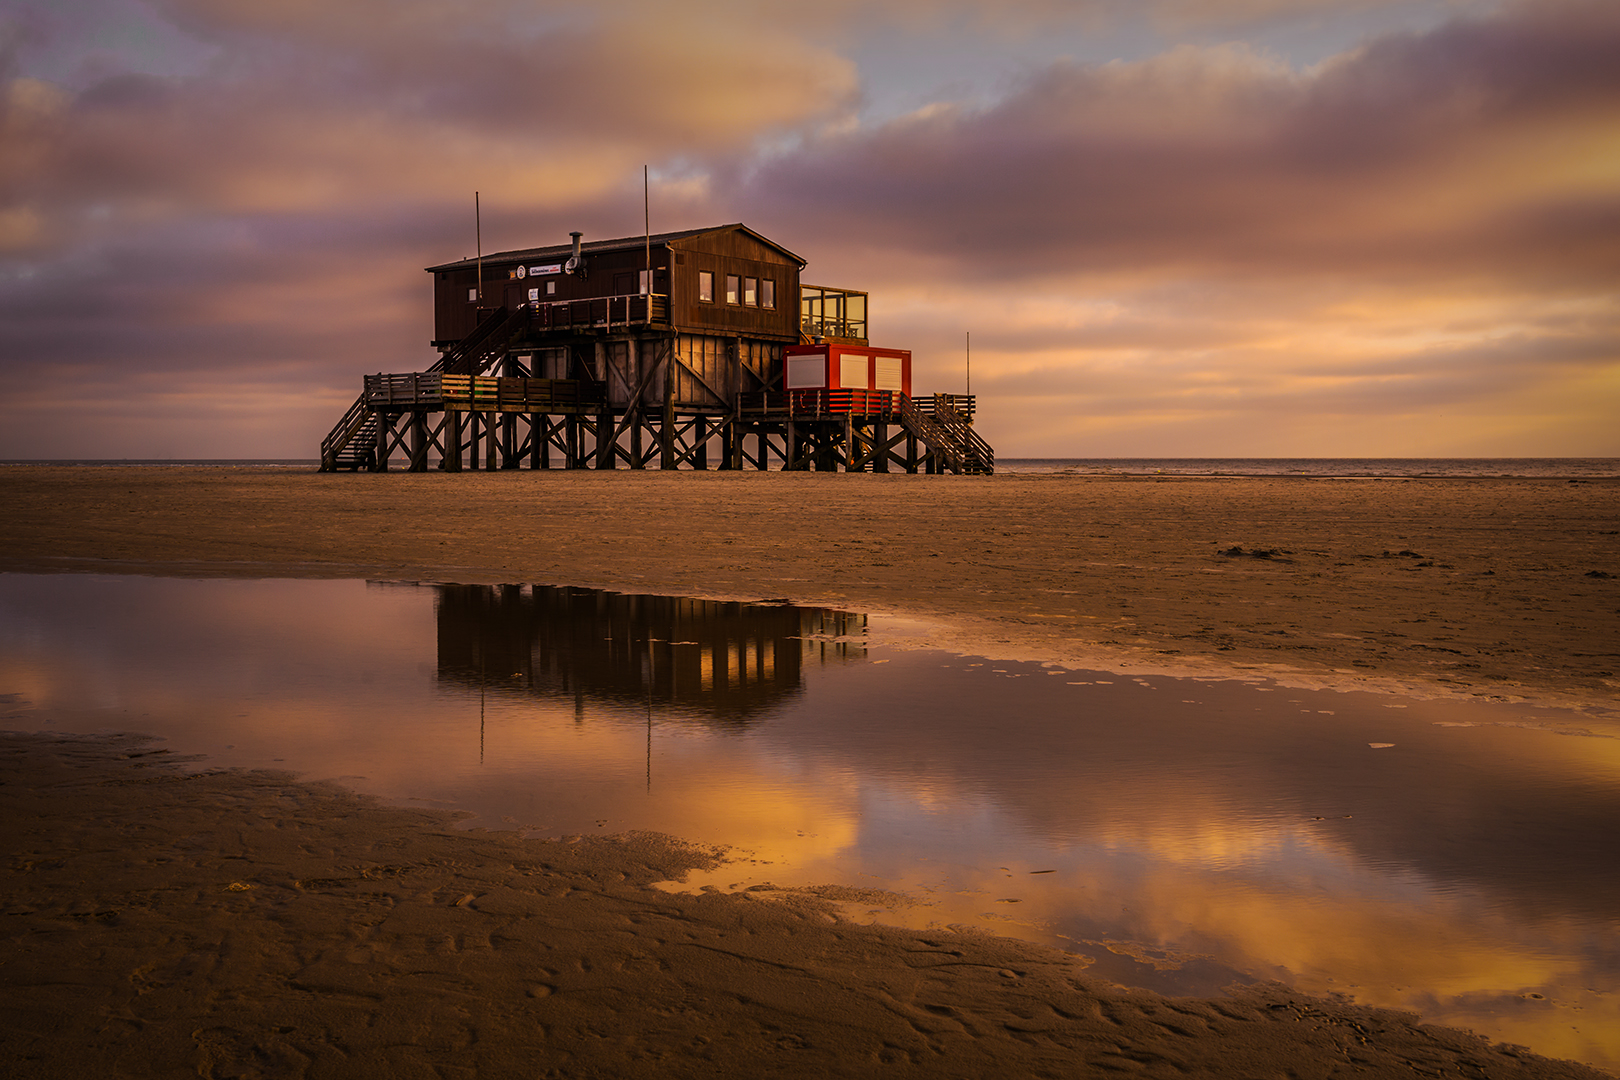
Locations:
(706, 286)
(767, 293)
(551, 288)
(750, 291)
(472, 296)
(731, 288)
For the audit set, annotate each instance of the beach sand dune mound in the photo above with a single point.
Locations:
(162, 920)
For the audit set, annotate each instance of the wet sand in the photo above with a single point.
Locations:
(163, 921)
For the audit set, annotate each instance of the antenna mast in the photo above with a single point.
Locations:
(478, 238)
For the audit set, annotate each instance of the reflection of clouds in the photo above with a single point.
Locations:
(1467, 874)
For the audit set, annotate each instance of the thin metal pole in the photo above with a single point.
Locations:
(478, 235)
(646, 224)
(970, 363)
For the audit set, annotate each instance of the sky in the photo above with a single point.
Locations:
(1173, 228)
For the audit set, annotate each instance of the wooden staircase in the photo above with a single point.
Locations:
(352, 442)
(948, 432)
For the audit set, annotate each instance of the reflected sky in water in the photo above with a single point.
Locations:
(1182, 835)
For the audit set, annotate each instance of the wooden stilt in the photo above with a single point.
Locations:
(700, 443)
(607, 451)
(419, 441)
(509, 456)
(383, 432)
(452, 441)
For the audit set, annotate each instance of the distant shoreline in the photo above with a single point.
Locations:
(1551, 468)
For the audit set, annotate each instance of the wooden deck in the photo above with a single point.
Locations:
(492, 422)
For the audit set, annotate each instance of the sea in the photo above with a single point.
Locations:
(1367, 467)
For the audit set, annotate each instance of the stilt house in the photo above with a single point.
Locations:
(670, 349)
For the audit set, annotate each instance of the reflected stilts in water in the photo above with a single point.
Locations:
(724, 662)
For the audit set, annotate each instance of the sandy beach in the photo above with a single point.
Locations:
(1491, 588)
(163, 918)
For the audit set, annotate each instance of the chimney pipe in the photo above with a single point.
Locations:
(573, 265)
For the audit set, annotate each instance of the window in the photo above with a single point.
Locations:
(852, 371)
(643, 282)
(706, 286)
(472, 296)
(551, 288)
(767, 293)
(731, 288)
(750, 291)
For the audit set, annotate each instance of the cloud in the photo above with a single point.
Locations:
(1183, 243)
(316, 109)
(1484, 148)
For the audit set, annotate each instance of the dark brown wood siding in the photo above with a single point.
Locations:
(734, 252)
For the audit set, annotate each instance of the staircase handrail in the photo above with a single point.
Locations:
(937, 436)
(973, 444)
(338, 440)
(463, 352)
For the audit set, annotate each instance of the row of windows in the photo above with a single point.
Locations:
(740, 291)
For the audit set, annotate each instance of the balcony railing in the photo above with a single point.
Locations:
(605, 312)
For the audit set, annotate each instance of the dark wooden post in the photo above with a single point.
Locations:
(635, 437)
(700, 443)
(852, 453)
(763, 462)
(509, 441)
(666, 434)
(880, 445)
(537, 428)
(452, 441)
(491, 438)
(383, 433)
(607, 451)
(419, 441)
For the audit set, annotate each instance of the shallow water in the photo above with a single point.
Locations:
(1181, 834)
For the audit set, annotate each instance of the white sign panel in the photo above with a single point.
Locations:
(549, 268)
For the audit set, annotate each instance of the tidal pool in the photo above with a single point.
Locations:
(1182, 835)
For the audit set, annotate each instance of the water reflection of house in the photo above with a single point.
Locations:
(713, 659)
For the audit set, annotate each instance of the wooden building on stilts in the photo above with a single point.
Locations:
(698, 349)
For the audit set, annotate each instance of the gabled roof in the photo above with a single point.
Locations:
(592, 247)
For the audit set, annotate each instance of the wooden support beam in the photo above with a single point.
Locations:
(509, 454)
(381, 462)
(607, 449)
(666, 440)
(452, 441)
(418, 444)
(537, 441)
(491, 437)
